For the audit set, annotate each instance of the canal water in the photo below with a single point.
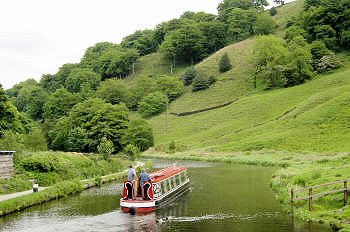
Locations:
(222, 197)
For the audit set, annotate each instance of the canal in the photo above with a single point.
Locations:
(222, 197)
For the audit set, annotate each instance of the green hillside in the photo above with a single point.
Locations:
(312, 117)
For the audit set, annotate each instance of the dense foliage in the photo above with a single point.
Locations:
(224, 63)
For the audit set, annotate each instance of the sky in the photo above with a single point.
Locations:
(39, 36)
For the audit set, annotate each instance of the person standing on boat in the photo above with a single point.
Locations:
(144, 177)
(131, 174)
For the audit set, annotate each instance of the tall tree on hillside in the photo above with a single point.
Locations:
(185, 44)
(144, 41)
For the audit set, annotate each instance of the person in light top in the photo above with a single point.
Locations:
(131, 174)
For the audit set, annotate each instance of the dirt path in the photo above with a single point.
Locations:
(6, 197)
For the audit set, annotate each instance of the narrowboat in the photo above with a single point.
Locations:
(165, 185)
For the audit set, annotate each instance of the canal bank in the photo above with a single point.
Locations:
(295, 170)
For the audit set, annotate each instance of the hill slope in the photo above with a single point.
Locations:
(312, 117)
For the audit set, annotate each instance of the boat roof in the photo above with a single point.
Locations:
(165, 173)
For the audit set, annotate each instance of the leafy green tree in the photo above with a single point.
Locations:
(224, 63)
(152, 104)
(131, 151)
(188, 76)
(294, 31)
(142, 87)
(93, 53)
(185, 44)
(139, 134)
(10, 119)
(105, 148)
(35, 140)
(264, 25)
(80, 77)
(215, 35)
(59, 103)
(270, 59)
(144, 41)
(240, 23)
(113, 91)
(87, 123)
(171, 86)
(345, 38)
(198, 16)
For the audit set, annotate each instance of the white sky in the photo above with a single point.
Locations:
(38, 36)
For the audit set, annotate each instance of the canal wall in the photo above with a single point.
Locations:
(6, 164)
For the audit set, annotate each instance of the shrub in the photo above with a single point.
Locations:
(105, 148)
(189, 75)
(172, 147)
(264, 25)
(273, 11)
(152, 104)
(202, 82)
(131, 151)
(224, 63)
(318, 49)
(328, 63)
(35, 141)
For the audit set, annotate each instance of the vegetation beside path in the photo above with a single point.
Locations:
(296, 170)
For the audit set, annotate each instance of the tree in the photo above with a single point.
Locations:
(142, 87)
(10, 119)
(105, 148)
(152, 104)
(224, 63)
(318, 49)
(112, 91)
(273, 11)
(139, 134)
(188, 76)
(185, 44)
(215, 35)
(87, 123)
(144, 41)
(264, 25)
(279, 2)
(172, 87)
(80, 77)
(59, 103)
(240, 23)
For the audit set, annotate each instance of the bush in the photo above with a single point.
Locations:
(264, 25)
(273, 11)
(189, 75)
(172, 147)
(328, 63)
(152, 104)
(318, 49)
(35, 141)
(202, 82)
(224, 63)
(105, 148)
(131, 151)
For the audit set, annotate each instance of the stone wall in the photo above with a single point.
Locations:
(6, 164)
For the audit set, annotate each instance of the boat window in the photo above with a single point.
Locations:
(182, 177)
(169, 183)
(157, 191)
(163, 186)
(177, 179)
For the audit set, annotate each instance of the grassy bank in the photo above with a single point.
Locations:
(59, 190)
(296, 170)
(49, 168)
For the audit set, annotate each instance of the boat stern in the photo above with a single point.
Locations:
(135, 206)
